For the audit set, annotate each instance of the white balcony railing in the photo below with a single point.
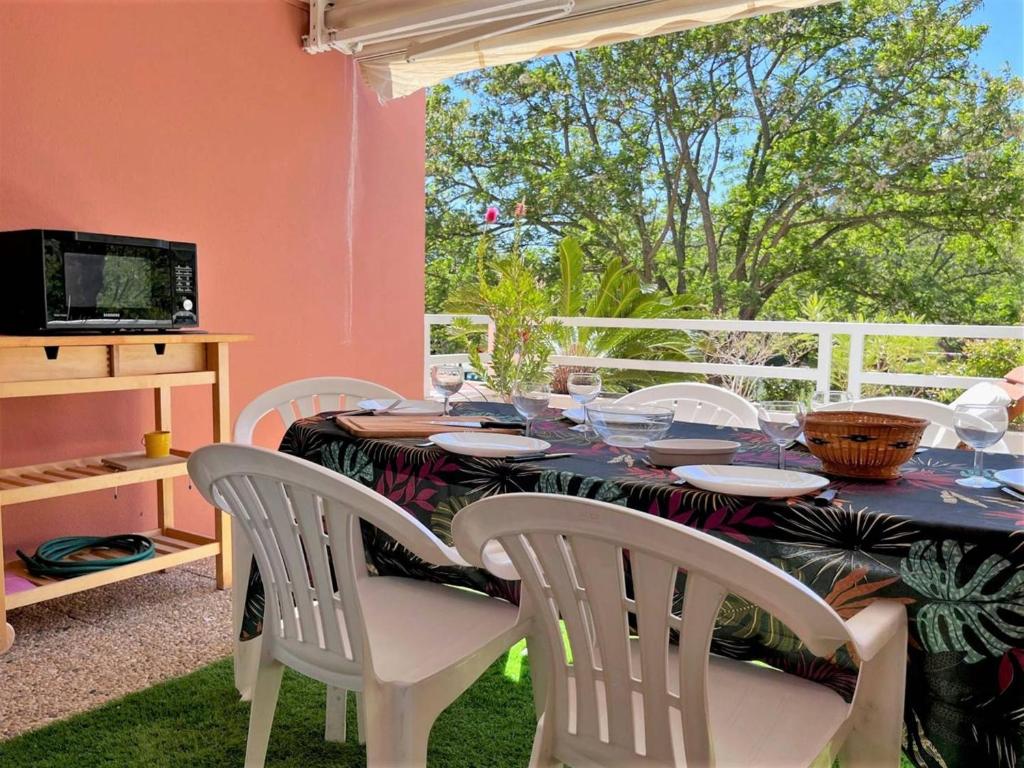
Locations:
(821, 374)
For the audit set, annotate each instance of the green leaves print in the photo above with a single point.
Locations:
(977, 609)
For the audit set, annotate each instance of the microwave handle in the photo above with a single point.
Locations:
(87, 237)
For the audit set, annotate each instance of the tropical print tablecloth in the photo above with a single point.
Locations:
(953, 555)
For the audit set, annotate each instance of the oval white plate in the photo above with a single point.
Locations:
(487, 444)
(404, 408)
(750, 481)
(1011, 477)
(575, 414)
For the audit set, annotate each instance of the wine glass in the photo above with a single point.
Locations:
(584, 388)
(820, 399)
(530, 399)
(782, 421)
(447, 380)
(979, 426)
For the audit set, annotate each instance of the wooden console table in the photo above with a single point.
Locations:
(32, 366)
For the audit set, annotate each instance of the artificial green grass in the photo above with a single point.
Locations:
(197, 721)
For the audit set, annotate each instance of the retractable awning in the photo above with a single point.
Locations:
(405, 45)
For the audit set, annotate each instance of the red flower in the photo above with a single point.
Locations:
(491, 215)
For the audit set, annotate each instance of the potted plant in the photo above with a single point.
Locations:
(510, 294)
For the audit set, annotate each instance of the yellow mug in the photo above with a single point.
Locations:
(158, 444)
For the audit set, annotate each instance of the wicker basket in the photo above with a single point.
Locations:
(870, 446)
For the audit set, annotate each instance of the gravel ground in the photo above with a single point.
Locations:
(77, 652)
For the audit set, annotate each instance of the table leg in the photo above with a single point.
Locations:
(217, 359)
(6, 630)
(164, 488)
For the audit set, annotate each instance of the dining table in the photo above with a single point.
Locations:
(953, 555)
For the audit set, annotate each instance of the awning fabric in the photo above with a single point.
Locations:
(397, 66)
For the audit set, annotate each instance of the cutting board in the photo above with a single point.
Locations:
(138, 460)
(409, 426)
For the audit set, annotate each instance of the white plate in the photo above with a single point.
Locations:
(750, 481)
(487, 444)
(575, 414)
(404, 408)
(1011, 477)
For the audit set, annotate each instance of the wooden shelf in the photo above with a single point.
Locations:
(104, 384)
(173, 547)
(63, 478)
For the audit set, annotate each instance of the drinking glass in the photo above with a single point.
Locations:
(447, 380)
(584, 388)
(782, 421)
(979, 426)
(821, 399)
(530, 399)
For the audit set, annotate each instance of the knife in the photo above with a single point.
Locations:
(1013, 494)
(826, 496)
(479, 424)
(537, 457)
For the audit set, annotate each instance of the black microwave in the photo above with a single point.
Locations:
(54, 281)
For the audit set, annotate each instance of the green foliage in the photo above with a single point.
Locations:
(990, 358)
(619, 294)
(851, 149)
(507, 291)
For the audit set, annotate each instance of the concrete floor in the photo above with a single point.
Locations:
(77, 652)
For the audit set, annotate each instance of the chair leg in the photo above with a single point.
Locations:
(398, 738)
(337, 711)
(261, 712)
(876, 729)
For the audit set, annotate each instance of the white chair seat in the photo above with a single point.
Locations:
(758, 715)
(450, 624)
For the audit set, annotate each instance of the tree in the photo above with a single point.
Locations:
(851, 149)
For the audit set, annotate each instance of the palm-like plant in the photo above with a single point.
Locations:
(620, 294)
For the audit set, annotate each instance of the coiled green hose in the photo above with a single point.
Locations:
(50, 559)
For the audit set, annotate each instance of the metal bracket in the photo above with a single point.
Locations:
(321, 39)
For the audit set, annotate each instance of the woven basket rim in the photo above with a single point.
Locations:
(864, 418)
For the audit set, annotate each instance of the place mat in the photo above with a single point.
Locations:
(392, 426)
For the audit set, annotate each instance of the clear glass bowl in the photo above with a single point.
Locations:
(630, 426)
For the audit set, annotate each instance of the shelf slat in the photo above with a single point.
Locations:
(171, 551)
(63, 478)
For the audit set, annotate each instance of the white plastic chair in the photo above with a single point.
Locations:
(290, 401)
(306, 397)
(941, 433)
(699, 403)
(410, 646)
(638, 701)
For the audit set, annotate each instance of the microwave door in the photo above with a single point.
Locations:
(117, 286)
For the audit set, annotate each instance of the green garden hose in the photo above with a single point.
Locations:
(50, 559)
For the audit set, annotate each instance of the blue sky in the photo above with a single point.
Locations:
(1004, 42)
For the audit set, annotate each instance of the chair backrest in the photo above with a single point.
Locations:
(306, 397)
(941, 433)
(572, 555)
(303, 523)
(700, 403)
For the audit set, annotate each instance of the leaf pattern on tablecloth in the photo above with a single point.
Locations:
(977, 610)
(854, 592)
(350, 460)
(833, 539)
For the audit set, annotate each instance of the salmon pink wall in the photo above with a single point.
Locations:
(206, 122)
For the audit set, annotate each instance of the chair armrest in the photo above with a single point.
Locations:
(875, 626)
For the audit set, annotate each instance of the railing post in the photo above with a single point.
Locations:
(824, 361)
(856, 367)
(427, 327)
